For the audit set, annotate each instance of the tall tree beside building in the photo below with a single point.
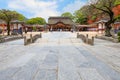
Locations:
(37, 20)
(80, 17)
(89, 14)
(106, 6)
(8, 16)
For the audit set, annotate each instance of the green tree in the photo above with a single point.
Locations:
(37, 20)
(106, 7)
(67, 14)
(86, 13)
(8, 16)
(21, 17)
(117, 2)
(118, 17)
(80, 17)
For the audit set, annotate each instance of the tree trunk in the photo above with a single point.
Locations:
(8, 28)
(107, 29)
(107, 32)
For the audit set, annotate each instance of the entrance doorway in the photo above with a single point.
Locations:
(60, 26)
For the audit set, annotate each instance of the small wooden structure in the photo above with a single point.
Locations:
(17, 27)
(101, 26)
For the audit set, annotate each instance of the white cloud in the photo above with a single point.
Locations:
(37, 8)
(74, 6)
(41, 8)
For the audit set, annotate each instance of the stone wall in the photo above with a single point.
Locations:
(32, 39)
(115, 40)
(10, 38)
(86, 39)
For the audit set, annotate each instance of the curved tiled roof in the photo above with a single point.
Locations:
(65, 20)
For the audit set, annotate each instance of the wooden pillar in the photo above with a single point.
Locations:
(102, 27)
(17, 25)
(22, 29)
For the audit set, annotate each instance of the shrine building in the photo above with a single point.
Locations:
(60, 23)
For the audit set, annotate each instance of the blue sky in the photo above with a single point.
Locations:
(42, 8)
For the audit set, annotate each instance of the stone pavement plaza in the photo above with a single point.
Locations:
(59, 56)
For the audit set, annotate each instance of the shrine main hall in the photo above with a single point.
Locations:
(60, 23)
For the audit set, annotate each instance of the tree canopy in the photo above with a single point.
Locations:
(80, 17)
(21, 17)
(8, 16)
(67, 14)
(106, 7)
(96, 10)
(37, 20)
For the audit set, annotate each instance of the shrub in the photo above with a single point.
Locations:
(118, 36)
(118, 33)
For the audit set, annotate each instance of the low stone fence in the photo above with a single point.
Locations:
(32, 39)
(85, 39)
(115, 40)
(10, 38)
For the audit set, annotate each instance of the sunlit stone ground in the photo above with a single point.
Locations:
(59, 56)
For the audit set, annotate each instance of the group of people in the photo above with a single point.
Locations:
(116, 30)
(17, 31)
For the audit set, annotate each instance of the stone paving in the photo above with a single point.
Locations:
(59, 56)
(106, 51)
